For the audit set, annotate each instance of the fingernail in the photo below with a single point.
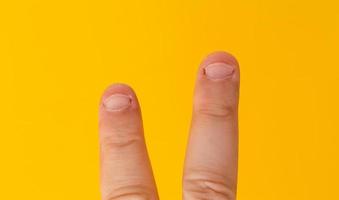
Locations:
(117, 102)
(218, 71)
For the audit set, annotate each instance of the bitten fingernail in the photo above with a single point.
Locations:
(218, 71)
(117, 102)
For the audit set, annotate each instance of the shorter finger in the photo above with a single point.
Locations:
(125, 168)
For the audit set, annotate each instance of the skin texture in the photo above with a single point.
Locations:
(210, 171)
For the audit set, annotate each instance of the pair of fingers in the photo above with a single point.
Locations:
(210, 170)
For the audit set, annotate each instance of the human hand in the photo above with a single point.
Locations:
(210, 170)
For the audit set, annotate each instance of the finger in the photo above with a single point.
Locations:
(211, 157)
(125, 168)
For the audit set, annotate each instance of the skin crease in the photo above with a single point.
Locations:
(211, 163)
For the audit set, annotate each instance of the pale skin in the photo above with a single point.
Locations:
(211, 164)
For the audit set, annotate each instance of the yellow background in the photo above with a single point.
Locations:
(57, 56)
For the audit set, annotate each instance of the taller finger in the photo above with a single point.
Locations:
(211, 158)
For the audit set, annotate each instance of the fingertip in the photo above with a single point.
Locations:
(220, 56)
(118, 97)
(217, 85)
(219, 65)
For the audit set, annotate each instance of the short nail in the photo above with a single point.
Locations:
(218, 71)
(117, 102)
